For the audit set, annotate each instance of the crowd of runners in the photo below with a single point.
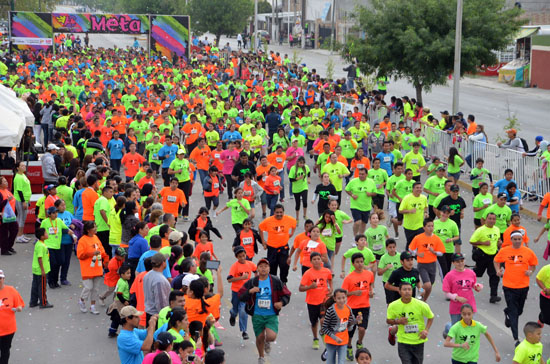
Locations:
(135, 145)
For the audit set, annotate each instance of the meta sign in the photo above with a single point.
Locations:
(100, 23)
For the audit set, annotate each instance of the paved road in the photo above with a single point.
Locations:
(63, 334)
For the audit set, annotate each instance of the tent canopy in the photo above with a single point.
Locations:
(9, 100)
(12, 127)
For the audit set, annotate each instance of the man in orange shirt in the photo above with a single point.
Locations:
(241, 271)
(520, 263)
(385, 125)
(515, 224)
(193, 131)
(12, 302)
(89, 197)
(472, 125)
(172, 198)
(359, 285)
(279, 228)
(201, 157)
(427, 247)
(131, 162)
(317, 283)
(544, 203)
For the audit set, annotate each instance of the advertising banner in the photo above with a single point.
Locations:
(100, 23)
(170, 34)
(31, 30)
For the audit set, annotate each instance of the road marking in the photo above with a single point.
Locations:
(494, 321)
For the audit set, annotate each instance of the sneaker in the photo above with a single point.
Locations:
(93, 310)
(31, 305)
(218, 326)
(291, 197)
(261, 360)
(506, 320)
(65, 283)
(315, 345)
(349, 354)
(11, 250)
(282, 200)
(358, 345)
(267, 347)
(102, 301)
(245, 336)
(47, 305)
(495, 299)
(324, 355)
(516, 344)
(540, 323)
(232, 320)
(112, 333)
(391, 337)
(186, 218)
(396, 237)
(82, 306)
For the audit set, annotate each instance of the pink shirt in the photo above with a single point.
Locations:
(227, 159)
(295, 152)
(461, 283)
(151, 356)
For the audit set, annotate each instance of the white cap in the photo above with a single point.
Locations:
(52, 146)
(2, 275)
(186, 281)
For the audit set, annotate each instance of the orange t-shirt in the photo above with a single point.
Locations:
(272, 185)
(89, 197)
(172, 200)
(298, 239)
(137, 288)
(111, 277)
(247, 242)
(277, 230)
(507, 241)
(308, 246)
(356, 164)
(385, 127)
(516, 262)
(317, 295)
(341, 159)
(471, 128)
(356, 281)
(546, 203)
(10, 298)
(421, 244)
(144, 180)
(87, 245)
(261, 170)
(277, 160)
(200, 226)
(216, 161)
(49, 202)
(318, 149)
(342, 329)
(201, 248)
(193, 308)
(193, 132)
(238, 270)
(132, 162)
(202, 157)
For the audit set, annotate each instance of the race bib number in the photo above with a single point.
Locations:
(279, 160)
(265, 304)
(155, 157)
(276, 183)
(312, 244)
(377, 247)
(414, 161)
(264, 178)
(193, 131)
(342, 326)
(217, 156)
(411, 329)
(360, 166)
(486, 201)
(247, 241)
(171, 198)
(247, 193)
(52, 231)
(387, 159)
(216, 185)
(327, 232)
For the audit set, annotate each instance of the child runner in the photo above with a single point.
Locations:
(530, 349)
(389, 262)
(40, 268)
(122, 298)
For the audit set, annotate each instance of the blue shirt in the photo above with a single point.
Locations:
(291, 133)
(129, 346)
(77, 203)
(66, 217)
(333, 105)
(517, 195)
(141, 264)
(115, 148)
(386, 161)
(169, 152)
(231, 136)
(137, 246)
(263, 298)
(502, 183)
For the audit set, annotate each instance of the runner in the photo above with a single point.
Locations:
(414, 208)
(239, 273)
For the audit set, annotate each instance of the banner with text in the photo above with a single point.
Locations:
(170, 34)
(100, 23)
(32, 31)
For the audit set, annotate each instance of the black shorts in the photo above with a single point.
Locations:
(155, 167)
(315, 313)
(360, 215)
(427, 272)
(399, 215)
(365, 311)
(390, 297)
(378, 201)
(377, 256)
(339, 239)
(477, 222)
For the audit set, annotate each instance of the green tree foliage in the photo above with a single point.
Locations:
(415, 39)
(264, 7)
(220, 16)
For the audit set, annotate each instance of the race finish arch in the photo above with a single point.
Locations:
(166, 34)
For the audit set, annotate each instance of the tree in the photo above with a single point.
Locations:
(415, 39)
(220, 16)
(264, 7)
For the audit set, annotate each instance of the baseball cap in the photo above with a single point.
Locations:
(457, 256)
(2, 275)
(406, 255)
(51, 210)
(347, 132)
(121, 252)
(445, 208)
(455, 188)
(440, 168)
(49, 187)
(186, 281)
(512, 131)
(238, 249)
(263, 260)
(444, 112)
(128, 311)
(539, 138)
(180, 151)
(460, 113)
(157, 259)
(175, 236)
(52, 146)
(502, 194)
(165, 338)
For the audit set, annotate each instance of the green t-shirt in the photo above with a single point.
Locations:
(328, 236)
(376, 237)
(54, 230)
(340, 216)
(379, 176)
(22, 183)
(436, 185)
(357, 134)
(527, 353)
(485, 233)
(386, 259)
(471, 334)
(441, 196)
(299, 185)
(334, 171)
(446, 230)
(414, 221)
(66, 194)
(415, 311)
(348, 148)
(360, 189)
(40, 251)
(207, 274)
(153, 150)
(414, 162)
(480, 175)
(368, 256)
(238, 215)
(481, 200)
(404, 188)
(455, 167)
(322, 159)
(212, 138)
(504, 214)
(182, 164)
(123, 287)
(102, 204)
(115, 227)
(390, 185)
(312, 131)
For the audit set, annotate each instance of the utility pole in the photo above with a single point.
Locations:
(458, 50)
(333, 30)
(303, 24)
(253, 40)
(288, 21)
(272, 21)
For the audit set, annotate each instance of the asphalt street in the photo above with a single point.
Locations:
(64, 334)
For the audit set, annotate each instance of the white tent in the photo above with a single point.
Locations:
(9, 100)
(12, 127)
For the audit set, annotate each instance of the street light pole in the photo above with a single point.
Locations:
(458, 50)
(253, 40)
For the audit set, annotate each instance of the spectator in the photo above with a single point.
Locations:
(513, 143)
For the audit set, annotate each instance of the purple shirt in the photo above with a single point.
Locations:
(227, 160)
(461, 283)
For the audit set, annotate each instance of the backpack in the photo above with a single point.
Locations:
(525, 145)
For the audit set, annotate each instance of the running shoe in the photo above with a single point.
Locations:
(261, 360)
(391, 337)
(93, 310)
(102, 301)
(82, 306)
(315, 345)
(267, 347)
(324, 355)
(46, 305)
(358, 345)
(245, 336)
(232, 320)
(349, 354)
